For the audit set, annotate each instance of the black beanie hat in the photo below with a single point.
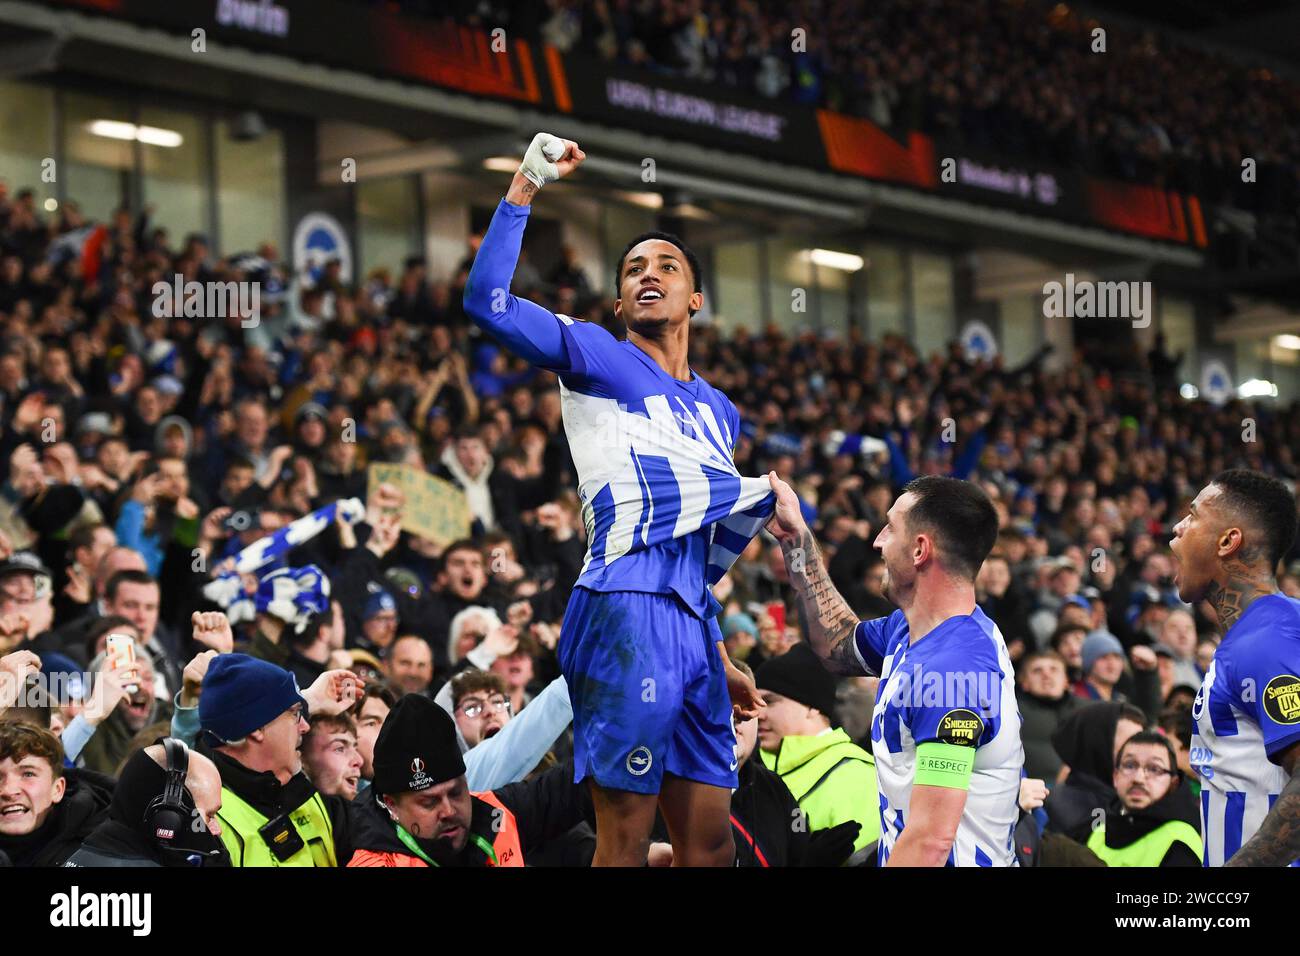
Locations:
(800, 675)
(139, 784)
(416, 748)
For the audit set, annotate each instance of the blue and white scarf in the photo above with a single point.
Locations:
(227, 589)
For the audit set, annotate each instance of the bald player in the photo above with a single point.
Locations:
(1246, 717)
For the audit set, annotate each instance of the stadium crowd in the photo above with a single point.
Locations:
(156, 461)
(1020, 78)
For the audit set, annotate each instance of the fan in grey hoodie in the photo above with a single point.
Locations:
(173, 438)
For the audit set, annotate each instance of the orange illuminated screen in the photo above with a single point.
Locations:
(460, 59)
(559, 81)
(857, 146)
(1146, 211)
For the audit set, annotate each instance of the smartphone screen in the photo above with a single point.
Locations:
(121, 654)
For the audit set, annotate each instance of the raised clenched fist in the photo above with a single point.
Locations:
(550, 158)
(212, 629)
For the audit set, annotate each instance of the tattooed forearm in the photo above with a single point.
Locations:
(827, 618)
(842, 660)
(521, 191)
(1277, 841)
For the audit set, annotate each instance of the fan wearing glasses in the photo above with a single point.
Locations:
(1155, 821)
(480, 705)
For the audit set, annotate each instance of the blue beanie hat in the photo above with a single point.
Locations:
(378, 602)
(242, 694)
(1095, 645)
(64, 676)
(738, 622)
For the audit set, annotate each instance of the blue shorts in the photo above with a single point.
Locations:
(648, 690)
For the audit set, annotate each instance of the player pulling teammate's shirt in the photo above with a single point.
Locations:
(1246, 713)
(666, 513)
(953, 686)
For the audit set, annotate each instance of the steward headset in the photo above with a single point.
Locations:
(166, 816)
(171, 819)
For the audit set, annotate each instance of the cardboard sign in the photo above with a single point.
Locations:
(434, 509)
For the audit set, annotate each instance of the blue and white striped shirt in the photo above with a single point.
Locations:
(665, 509)
(958, 671)
(1246, 714)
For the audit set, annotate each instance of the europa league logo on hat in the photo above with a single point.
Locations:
(416, 748)
(419, 779)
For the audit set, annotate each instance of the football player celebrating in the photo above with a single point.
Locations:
(946, 727)
(1246, 718)
(666, 512)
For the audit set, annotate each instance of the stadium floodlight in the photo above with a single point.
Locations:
(1287, 341)
(149, 135)
(644, 199)
(155, 136)
(113, 129)
(844, 261)
(681, 208)
(1256, 388)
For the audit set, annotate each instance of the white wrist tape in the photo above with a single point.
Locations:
(539, 161)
